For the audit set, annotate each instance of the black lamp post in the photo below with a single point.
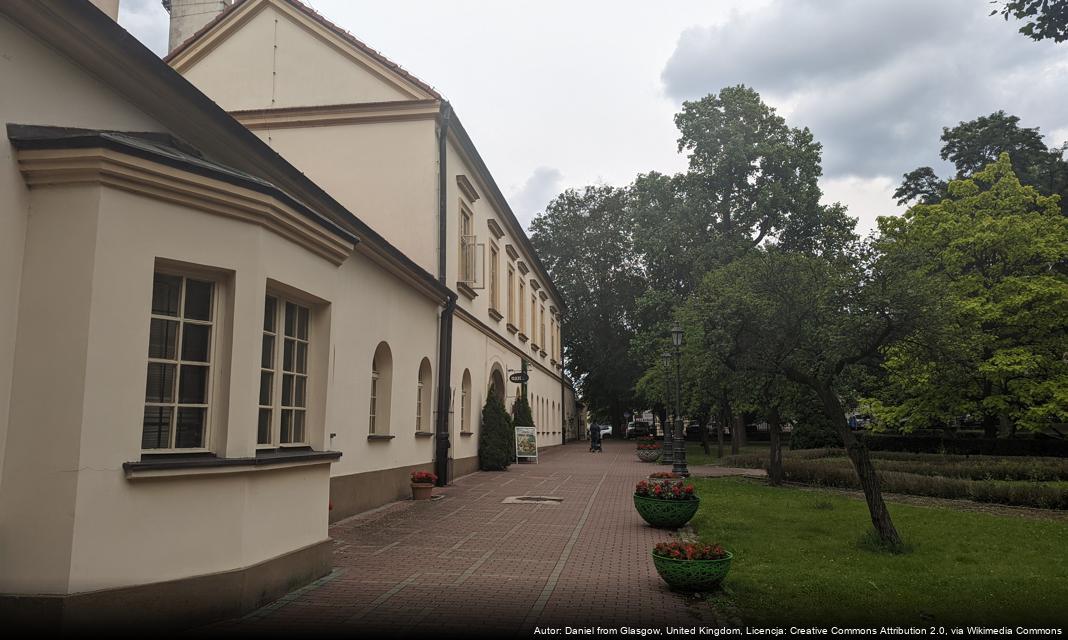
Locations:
(669, 453)
(679, 462)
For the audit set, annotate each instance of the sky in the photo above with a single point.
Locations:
(561, 94)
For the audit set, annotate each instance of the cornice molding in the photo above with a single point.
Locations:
(468, 189)
(335, 115)
(522, 266)
(512, 253)
(45, 167)
(495, 229)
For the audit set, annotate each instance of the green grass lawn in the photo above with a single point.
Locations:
(696, 455)
(799, 559)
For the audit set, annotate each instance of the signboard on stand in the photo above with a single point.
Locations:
(526, 444)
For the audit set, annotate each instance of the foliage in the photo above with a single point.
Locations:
(689, 551)
(496, 440)
(997, 250)
(986, 569)
(420, 477)
(1044, 19)
(522, 415)
(665, 490)
(813, 431)
(973, 145)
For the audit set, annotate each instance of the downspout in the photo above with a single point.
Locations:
(442, 445)
(563, 388)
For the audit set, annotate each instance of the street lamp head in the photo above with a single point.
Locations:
(676, 335)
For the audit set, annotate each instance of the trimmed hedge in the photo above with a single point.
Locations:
(968, 446)
(1014, 494)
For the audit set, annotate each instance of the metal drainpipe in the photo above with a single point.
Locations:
(563, 388)
(441, 440)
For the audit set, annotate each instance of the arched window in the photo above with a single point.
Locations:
(422, 397)
(381, 388)
(465, 403)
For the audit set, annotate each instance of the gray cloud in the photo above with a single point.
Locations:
(148, 21)
(542, 186)
(876, 81)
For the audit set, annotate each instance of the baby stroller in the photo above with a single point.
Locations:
(595, 439)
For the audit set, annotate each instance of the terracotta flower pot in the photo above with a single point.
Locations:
(422, 490)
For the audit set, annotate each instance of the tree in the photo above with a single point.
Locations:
(1044, 19)
(496, 440)
(522, 415)
(998, 251)
(585, 241)
(972, 145)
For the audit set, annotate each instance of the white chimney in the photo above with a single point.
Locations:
(110, 7)
(188, 16)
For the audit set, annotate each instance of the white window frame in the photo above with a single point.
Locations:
(279, 374)
(373, 415)
(213, 358)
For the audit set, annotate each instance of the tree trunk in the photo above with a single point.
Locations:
(702, 423)
(736, 436)
(990, 426)
(719, 431)
(775, 463)
(858, 455)
(743, 437)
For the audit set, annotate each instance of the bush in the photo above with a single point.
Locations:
(816, 433)
(496, 440)
(522, 416)
(840, 473)
(1037, 446)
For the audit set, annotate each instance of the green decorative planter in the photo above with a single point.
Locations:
(693, 575)
(666, 514)
(648, 455)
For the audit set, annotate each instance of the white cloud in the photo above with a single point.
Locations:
(530, 199)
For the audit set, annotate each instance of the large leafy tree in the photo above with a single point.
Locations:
(585, 239)
(972, 145)
(998, 251)
(1043, 19)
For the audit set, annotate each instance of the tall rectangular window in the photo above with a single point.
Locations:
(541, 328)
(467, 247)
(522, 309)
(283, 404)
(180, 346)
(495, 298)
(511, 294)
(419, 407)
(374, 401)
(533, 317)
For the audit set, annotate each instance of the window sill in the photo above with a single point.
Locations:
(496, 315)
(466, 289)
(512, 328)
(467, 433)
(377, 437)
(522, 337)
(424, 434)
(168, 465)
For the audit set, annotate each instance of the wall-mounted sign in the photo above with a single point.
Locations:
(526, 443)
(519, 378)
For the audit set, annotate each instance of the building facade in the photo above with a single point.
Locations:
(227, 309)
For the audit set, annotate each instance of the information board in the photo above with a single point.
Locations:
(526, 443)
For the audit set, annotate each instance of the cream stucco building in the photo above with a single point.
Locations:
(271, 277)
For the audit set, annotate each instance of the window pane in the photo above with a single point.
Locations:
(287, 390)
(156, 429)
(298, 426)
(193, 385)
(189, 431)
(287, 426)
(198, 299)
(195, 341)
(266, 383)
(267, 359)
(302, 323)
(291, 319)
(300, 392)
(160, 385)
(163, 339)
(289, 348)
(263, 431)
(270, 311)
(166, 293)
(302, 357)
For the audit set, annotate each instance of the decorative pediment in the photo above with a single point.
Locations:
(512, 253)
(495, 229)
(467, 188)
(522, 266)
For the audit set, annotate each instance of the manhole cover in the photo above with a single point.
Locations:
(532, 499)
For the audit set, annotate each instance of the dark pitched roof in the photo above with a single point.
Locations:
(162, 148)
(316, 16)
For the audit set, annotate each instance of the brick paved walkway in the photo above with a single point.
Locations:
(467, 562)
